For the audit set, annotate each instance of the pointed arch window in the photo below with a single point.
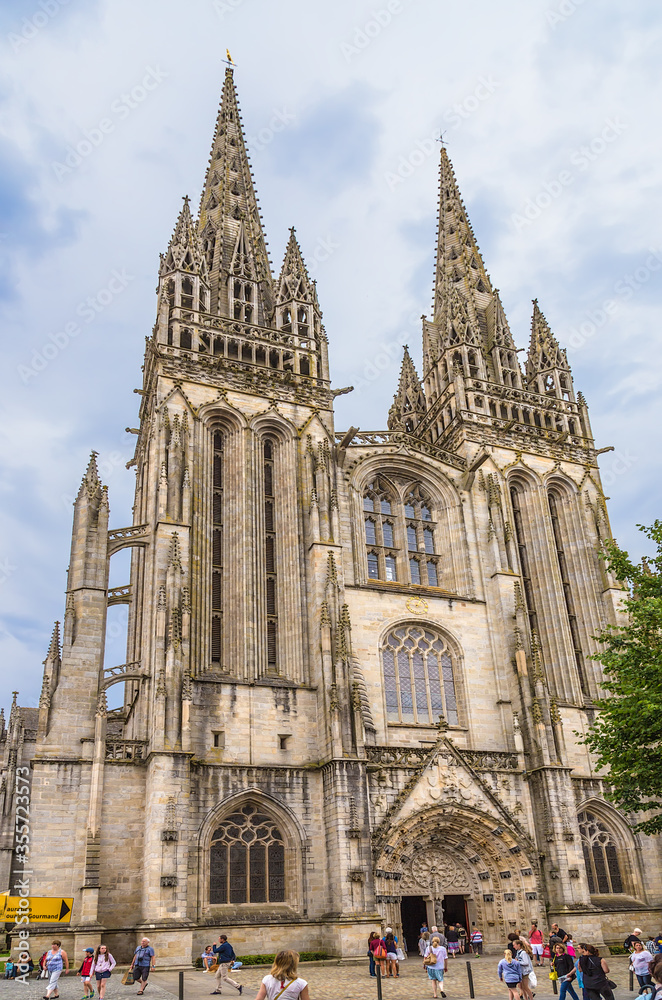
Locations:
(270, 559)
(247, 859)
(217, 550)
(525, 567)
(420, 531)
(419, 677)
(379, 531)
(243, 300)
(553, 502)
(600, 855)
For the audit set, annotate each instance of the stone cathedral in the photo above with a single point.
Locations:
(357, 661)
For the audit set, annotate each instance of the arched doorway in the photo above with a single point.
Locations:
(463, 867)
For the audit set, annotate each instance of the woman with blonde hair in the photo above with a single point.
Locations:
(283, 983)
(510, 973)
(524, 955)
(436, 963)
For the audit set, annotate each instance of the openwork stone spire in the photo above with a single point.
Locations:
(459, 262)
(229, 224)
(294, 282)
(544, 351)
(409, 401)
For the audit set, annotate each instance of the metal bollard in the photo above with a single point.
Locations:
(470, 977)
(555, 986)
(631, 981)
(181, 986)
(378, 970)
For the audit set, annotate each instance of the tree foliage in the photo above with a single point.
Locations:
(627, 735)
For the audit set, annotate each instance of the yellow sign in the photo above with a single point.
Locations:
(40, 909)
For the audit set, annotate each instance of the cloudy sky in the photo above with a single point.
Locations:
(550, 110)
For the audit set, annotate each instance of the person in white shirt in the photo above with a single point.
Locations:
(283, 983)
(437, 968)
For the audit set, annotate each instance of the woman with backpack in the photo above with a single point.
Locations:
(594, 973)
(510, 973)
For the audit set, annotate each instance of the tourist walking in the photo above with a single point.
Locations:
(461, 937)
(537, 942)
(103, 965)
(476, 941)
(594, 973)
(283, 982)
(373, 936)
(378, 948)
(524, 956)
(423, 943)
(453, 941)
(225, 956)
(56, 962)
(143, 961)
(510, 973)
(564, 967)
(557, 936)
(436, 963)
(639, 962)
(391, 954)
(85, 973)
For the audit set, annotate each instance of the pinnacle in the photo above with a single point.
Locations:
(544, 350)
(294, 281)
(184, 250)
(54, 646)
(91, 483)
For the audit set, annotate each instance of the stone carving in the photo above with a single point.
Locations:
(438, 873)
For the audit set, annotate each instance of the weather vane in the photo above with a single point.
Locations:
(441, 137)
(229, 61)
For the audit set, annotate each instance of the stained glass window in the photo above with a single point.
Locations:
(380, 532)
(600, 856)
(419, 683)
(247, 859)
(217, 548)
(420, 538)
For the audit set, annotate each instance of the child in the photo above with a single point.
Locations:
(85, 973)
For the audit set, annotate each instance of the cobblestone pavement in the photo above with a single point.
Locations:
(327, 981)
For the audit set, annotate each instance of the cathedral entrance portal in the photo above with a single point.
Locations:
(455, 910)
(413, 914)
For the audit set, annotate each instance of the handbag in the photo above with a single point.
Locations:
(612, 984)
(553, 974)
(380, 951)
(401, 955)
(127, 978)
(430, 959)
(533, 979)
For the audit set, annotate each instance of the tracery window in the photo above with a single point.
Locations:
(247, 859)
(419, 682)
(420, 538)
(243, 299)
(379, 527)
(520, 538)
(217, 548)
(600, 855)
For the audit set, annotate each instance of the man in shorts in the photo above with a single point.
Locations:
(143, 961)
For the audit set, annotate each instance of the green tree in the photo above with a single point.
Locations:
(627, 735)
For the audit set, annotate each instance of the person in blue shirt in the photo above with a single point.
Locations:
(510, 973)
(225, 956)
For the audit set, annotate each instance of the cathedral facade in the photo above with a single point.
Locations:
(357, 661)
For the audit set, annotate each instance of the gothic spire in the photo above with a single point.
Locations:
(53, 653)
(90, 483)
(229, 224)
(545, 356)
(409, 401)
(184, 251)
(459, 262)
